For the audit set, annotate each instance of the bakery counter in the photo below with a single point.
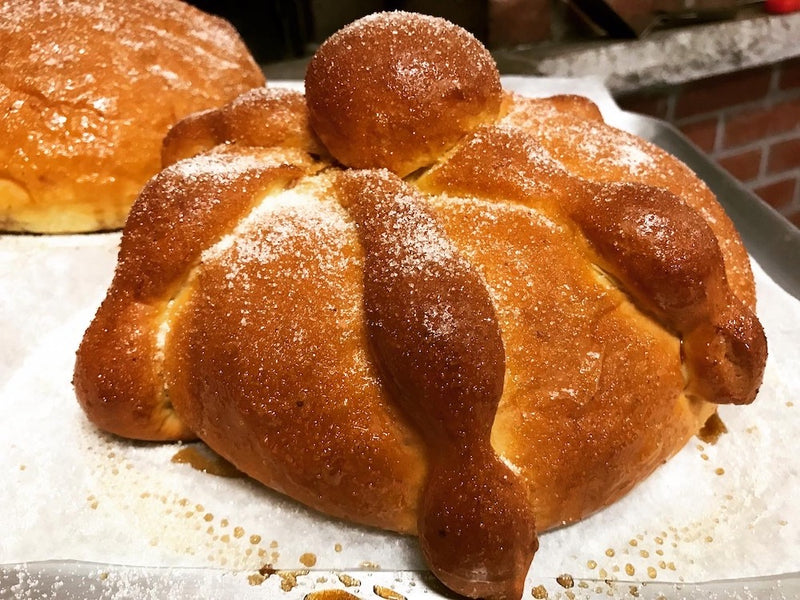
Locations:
(666, 57)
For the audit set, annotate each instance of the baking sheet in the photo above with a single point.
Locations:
(723, 512)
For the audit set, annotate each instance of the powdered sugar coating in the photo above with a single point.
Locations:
(501, 163)
(223, 168)
(410, 228)
(295, 212)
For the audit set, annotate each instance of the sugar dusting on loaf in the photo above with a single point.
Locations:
(495, 314)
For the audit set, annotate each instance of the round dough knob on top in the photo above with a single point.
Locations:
(396, 90)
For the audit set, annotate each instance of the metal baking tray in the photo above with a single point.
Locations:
(65, 580)
(772, 241)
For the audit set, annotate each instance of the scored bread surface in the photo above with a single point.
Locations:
(503, 337)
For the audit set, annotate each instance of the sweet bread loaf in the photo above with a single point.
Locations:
(472, 338)
(87, 93)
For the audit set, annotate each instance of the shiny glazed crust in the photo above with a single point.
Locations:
(502, 342)
(88, 91)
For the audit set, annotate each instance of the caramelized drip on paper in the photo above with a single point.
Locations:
(206, 461)
(713, 429)
(332, 594)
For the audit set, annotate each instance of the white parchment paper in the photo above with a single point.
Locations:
(722, 511)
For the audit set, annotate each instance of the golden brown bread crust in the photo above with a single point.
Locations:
(88, 91)
(401, 107)
(260, 117)
(435, 335)
(502, 339)
(572, 131)
(119, 357)
(361, 455)
(584, 415)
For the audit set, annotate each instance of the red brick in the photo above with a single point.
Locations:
(722, 91)
(703, 133)
(789, 77)
(747, 126)
(784, 156)
(646, 104)
(744, 165)
(777, 194)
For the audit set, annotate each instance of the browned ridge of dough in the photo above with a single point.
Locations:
(531, 322)
(661, 250)
(668, 259)
(117, 359)
(573, 132)
(437, 340)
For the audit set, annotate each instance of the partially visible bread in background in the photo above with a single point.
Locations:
(87, 93)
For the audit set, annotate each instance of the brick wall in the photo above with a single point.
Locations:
(748, 121)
